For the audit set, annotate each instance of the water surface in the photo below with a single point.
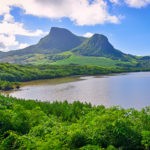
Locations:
(126, 90)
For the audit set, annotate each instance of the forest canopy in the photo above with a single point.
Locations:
(27, 124)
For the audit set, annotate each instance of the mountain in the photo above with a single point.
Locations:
(61, 44)
(99, 46)
(57, 41)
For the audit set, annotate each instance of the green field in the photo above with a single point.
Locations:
(69, 58)
(85, 60)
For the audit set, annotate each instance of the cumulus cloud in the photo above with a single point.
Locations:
(2, 45)
(137, 3)
(88, 34)
(115, 1)
(8, 31)
(9, 26)
(23, 45)
(7, 41)
(132, 3)
(81, 11)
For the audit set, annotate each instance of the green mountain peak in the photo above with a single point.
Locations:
(99, 46)
(59, 40)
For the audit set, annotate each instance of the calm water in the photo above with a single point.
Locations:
(125, 90)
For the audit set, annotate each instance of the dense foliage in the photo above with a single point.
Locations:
(17, 73)
(6, 85)
(59, 125)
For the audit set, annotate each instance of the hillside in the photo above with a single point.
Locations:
(72, 58)
(99, 46)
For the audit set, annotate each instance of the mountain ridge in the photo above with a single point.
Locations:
(51, 48)
(58, 40)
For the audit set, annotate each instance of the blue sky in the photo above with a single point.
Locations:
(125, 22)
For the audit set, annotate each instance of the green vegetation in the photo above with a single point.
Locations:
(6, 85)
(10, 74)
(14, 73)
(59, 125)
(99, 46)
(88, 60)
(22, 73)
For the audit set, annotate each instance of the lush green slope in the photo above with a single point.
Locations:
(88, 60)
(99, 46)
(44, 126)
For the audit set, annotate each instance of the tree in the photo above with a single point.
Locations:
(146, 139)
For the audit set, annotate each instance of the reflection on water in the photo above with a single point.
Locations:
(126, 90)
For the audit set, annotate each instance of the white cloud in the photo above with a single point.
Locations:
(137, 3)
(23, 45)
(88, 34)
(8, 31)
(4, 7)
(9, 42)
(132, 3)
(8, 18)
(115, 1)
(79, 11)
(9, 26)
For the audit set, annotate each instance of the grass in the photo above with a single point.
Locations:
(86, 60)
(67, 58)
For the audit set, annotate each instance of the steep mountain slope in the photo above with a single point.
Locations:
(58, 40)
(99, 46)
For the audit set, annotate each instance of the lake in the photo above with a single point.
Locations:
(126, 90)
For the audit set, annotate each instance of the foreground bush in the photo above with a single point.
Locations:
(59, 125)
